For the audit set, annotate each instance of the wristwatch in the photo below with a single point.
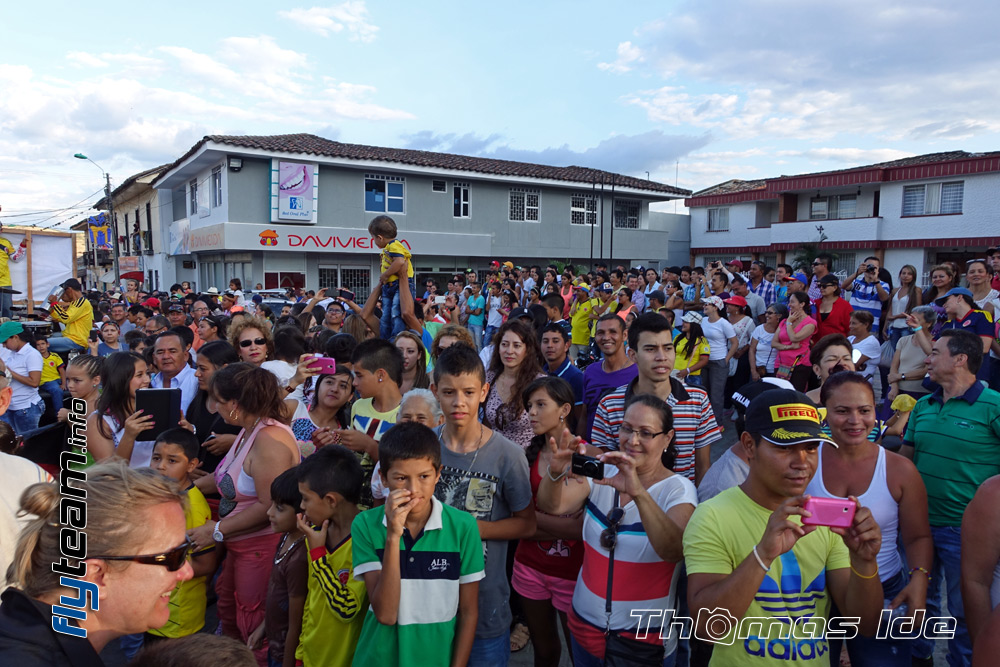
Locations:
(902, 376)
(217, 533)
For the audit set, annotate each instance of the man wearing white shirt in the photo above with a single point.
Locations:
(24, 363)
(171, 355)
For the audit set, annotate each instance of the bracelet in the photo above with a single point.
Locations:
(548, 471)
(870, 576)
(760, 560)
(917, 328)
(920, 569)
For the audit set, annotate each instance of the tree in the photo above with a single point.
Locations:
(808, 251)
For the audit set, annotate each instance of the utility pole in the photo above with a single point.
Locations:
(114, 225)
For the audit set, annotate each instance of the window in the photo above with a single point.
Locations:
(833, 207)
(583, 210)
(439, 186)
(192, 197)
(933, 198)
(383, 194)
(461, 192)
(216, 187)
(718, 219)
(524, 204)
(627, 213)
(845, 263)
(356, 279)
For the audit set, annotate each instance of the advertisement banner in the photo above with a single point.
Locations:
(180, 237)
(295, 191)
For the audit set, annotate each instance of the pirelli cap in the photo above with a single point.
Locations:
(785, 417)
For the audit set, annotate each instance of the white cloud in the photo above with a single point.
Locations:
(889, 72)
(350, 16)
(628, 55)
(83, 59)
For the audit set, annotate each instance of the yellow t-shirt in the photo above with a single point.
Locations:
(50, 367)
(6, 250)
(391, 252)
(78, 318)
(722, 532)
(685, 358)
(187, 602)
(335, 609)
(580, 322)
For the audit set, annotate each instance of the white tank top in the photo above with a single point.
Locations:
(883, 506)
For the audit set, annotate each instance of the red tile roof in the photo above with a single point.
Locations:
(310, 144)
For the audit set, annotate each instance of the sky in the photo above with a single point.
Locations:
(695, 93)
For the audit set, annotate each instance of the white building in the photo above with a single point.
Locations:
(921, 211)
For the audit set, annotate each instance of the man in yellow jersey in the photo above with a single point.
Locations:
(9, 253)
(76, 315)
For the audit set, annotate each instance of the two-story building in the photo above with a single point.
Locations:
(135, 230)
(293, 210)
(920, 210)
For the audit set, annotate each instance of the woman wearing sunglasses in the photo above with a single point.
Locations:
(635, 515)
(251, 338)
(132, 565)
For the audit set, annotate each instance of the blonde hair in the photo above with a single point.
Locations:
(238, 326)
(116, 496)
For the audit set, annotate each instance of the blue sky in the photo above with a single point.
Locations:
(718, 90)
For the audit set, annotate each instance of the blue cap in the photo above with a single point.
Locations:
(798, 275)
(952, 292)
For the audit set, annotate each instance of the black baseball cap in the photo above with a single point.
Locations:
(72, 283)
(517, 313)
(785, 417)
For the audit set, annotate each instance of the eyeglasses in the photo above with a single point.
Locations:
(173, 559)
(643, 434)
(255, 341)
(609, 536)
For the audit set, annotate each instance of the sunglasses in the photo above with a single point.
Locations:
(173, 559)
(609, 536)
(973, 261)
(255, 341)
(817, 264)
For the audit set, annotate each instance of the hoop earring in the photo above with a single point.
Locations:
(232, 414)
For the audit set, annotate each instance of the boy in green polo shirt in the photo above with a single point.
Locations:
(424, 592)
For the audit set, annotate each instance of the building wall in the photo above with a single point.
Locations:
(341, 203)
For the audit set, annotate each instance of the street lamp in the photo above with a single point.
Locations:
(111, 218)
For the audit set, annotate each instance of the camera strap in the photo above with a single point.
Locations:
(611, 572)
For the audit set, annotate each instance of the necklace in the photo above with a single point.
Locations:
(239, 446)
(278, 558)
(479, 446)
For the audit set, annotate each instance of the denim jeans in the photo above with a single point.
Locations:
(26, 419)
(477, 335)
(488, 335)
(392, 318)
(492, 652)
(60, 344)
(871, 652)
(54, 387)
(947, 562)
(693, 380)
(581, 658)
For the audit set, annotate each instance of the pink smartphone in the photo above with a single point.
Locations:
(325, 365)
(837, 512)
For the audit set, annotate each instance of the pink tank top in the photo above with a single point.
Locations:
(235, 485)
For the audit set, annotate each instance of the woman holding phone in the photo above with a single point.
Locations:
(890, 486)
(113, 427)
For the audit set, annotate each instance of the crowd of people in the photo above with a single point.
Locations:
(521, 456)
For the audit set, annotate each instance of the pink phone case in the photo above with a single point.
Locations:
(325, 365)
(837, 512)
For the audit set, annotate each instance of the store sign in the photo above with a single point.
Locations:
(294, 191)
(285, 238)
(127, 264)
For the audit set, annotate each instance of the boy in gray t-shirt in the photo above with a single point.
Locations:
(486, 475)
